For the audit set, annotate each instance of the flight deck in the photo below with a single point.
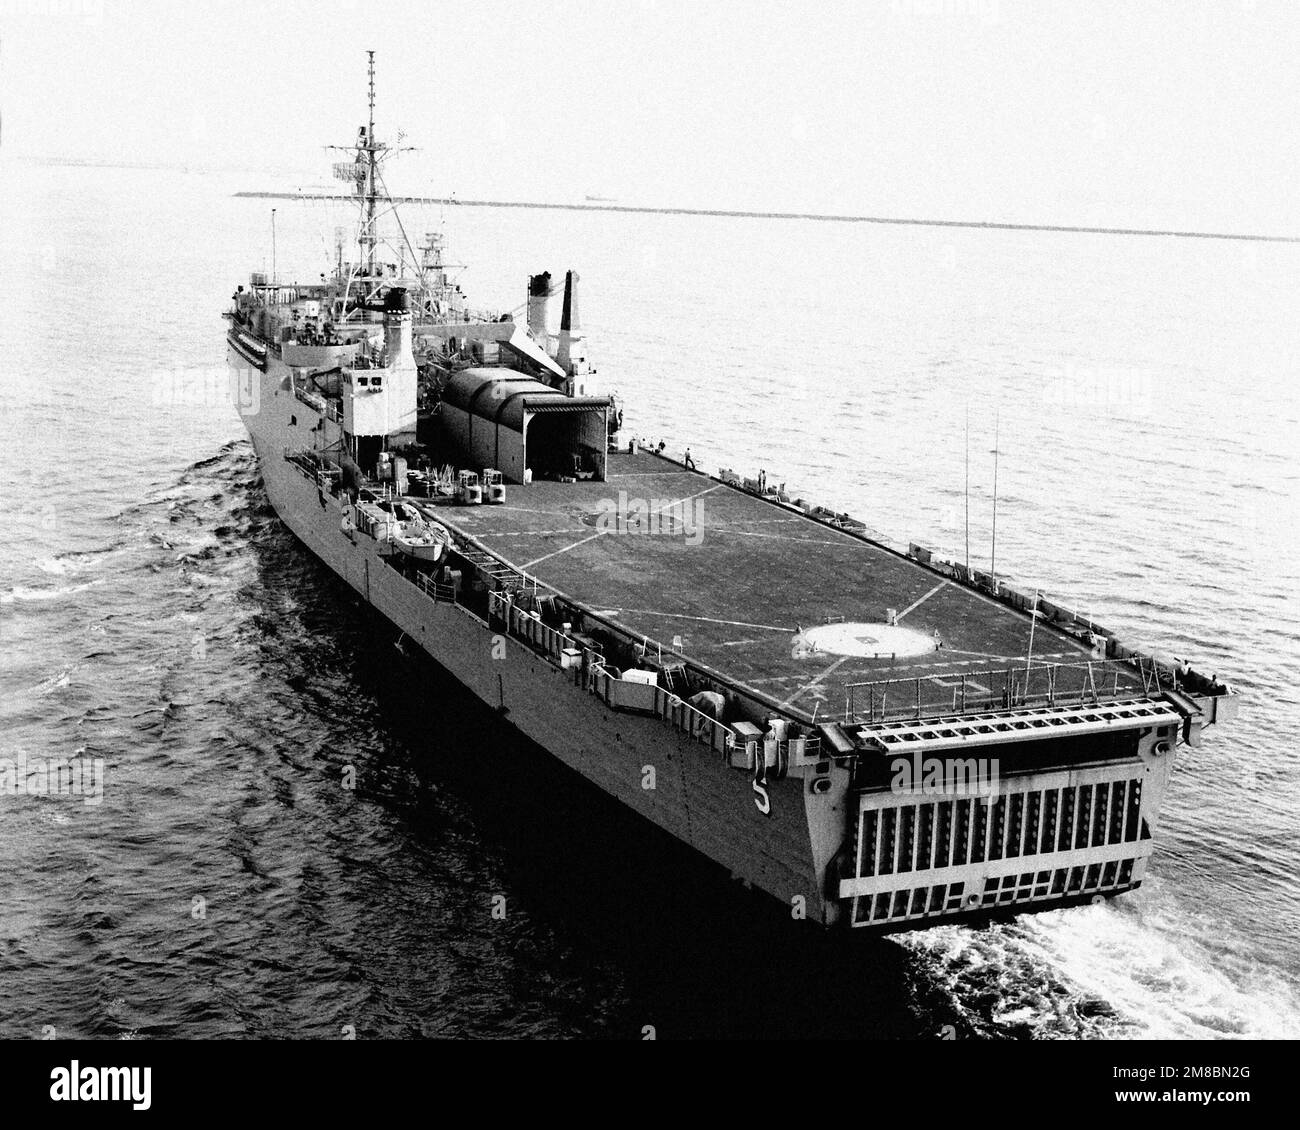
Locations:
(780, 603)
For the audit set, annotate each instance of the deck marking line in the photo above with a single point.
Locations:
(987, 655)
(775, 537)
(952, 684)
(679, 501)
(531, 533)
(917, 603)
(548, 556)
(707, 619)
(994, 603)
(809, 686)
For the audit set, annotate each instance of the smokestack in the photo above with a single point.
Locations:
(569, 348)
(569, 318)
(539, 298)
(397, 329)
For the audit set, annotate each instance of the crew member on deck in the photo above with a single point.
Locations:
(688, 461)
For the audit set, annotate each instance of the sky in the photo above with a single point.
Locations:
(1144, 113)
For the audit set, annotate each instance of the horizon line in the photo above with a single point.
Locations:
(994, 225)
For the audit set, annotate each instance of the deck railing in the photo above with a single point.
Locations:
(1048, 684)
(314, 468)
(317, 403)
(645, 645)
(441, 593)
(569, 654)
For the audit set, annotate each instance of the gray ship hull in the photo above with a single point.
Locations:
(876, 738)
(834, 845)
(694, 796)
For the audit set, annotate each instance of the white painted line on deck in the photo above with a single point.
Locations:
(531, 533)
(953, 684)
(810, 686)
(548, 556)
(917, 603)
(775, 537)
(705, 619)
(678, 501)
(986, 655)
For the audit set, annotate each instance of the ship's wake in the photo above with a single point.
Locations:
(1125, 969)
(1132, 968)
(204, 556)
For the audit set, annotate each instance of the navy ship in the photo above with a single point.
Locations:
(877, 738)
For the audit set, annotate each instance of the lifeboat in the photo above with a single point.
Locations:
(248, 347)
(417, 537)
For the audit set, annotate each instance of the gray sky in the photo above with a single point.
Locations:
(1180, 114)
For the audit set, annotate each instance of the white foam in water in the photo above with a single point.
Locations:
(1141, 964)
(910, 338)
(21, 594)
(80, 562)
(57, 681)
(1153, 962)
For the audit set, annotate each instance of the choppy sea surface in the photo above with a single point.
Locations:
(155, 615)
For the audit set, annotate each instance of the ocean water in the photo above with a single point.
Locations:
(155, 615)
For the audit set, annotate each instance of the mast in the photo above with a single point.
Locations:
(968, 486)
(362, 172)
(369, 237)
(1033, 623)
(993, 556)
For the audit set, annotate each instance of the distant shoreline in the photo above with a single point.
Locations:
(991, 225)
